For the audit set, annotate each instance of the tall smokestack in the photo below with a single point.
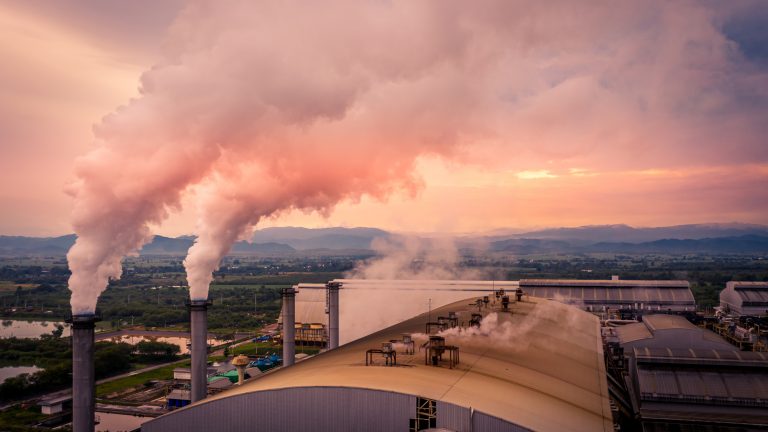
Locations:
(333, 314)
(83, 373)
(289, 326)
(198, 321)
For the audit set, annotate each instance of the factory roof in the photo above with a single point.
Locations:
(700, 385)
(539, 366)
(668, 331)
(605, 283)
(649, 293)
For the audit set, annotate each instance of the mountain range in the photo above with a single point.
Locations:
(694, 238)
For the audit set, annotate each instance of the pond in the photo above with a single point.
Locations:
(119, 422)
(29, 329)
(181, 342)
(12, 371)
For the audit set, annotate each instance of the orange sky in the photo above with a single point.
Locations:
(575, 152)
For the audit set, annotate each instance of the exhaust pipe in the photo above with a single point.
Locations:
(289, 326)
(198, 321)
(333, 314)
(83, 373)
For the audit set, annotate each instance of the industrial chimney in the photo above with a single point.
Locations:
(83, 373)
(289, 326)
(198, 322)
(333, 314)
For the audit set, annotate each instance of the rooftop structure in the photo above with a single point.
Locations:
(668, 331)
(745, 298)
(599, 295)
(676, 375)
(537, 366)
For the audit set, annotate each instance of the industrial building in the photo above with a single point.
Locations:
(644, 296)
(417, 296)
(477, 364)
(669, 374)
(745, 298)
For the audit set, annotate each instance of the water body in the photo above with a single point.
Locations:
(119, 422)
(12, 371)
(29, 329)
(181, 342)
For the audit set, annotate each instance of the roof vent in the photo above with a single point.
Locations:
(434, 350)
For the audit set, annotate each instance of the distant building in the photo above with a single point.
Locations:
(55, 405)
(544, 371)
(677, 376)
(600, 295)
(745, 298)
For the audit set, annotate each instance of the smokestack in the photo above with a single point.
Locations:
(289, 326)
(83, 373)
(198, 321)
(333, 314)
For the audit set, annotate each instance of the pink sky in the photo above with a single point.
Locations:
(647, 114)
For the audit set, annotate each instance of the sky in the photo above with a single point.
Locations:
(645, 113)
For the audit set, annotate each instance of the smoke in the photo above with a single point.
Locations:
(264, 107)
(415, 258)
(511, 332)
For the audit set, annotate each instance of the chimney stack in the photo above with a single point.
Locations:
(333, 314)
(198, 321)
(289, 326)
(83, 373)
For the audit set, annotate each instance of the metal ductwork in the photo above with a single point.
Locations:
(333, 314)
(83, 373)
(198, 322)
(289, 326)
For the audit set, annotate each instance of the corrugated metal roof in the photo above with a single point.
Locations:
(547, 373)
(604, 283)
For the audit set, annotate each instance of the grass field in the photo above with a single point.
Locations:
(12, 286)
(163, 373)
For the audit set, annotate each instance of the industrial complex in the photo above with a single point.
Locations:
(451, 355)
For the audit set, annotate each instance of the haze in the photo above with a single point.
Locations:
(651, 113)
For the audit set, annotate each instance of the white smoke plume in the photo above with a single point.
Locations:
(415, 258)
(272, 106)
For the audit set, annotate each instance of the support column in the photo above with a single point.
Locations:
(198, 325)
(83, 373)
(333, 314)
(289, 326)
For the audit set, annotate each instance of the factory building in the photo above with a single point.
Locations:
(644, 296)
(472, 365)
(360, 302)
(672, 375)
(745, 298)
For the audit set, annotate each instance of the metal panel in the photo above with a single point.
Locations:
(453, 417)
(302, 408)
(488, 423)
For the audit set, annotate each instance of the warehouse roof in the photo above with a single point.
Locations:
(540, 366)
(668, 331)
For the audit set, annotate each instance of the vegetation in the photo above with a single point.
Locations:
(162, 373)
(55, 356)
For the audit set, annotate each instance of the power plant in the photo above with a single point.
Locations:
(487, 361)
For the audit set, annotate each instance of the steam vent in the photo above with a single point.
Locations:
(83, 372)
(536, 366)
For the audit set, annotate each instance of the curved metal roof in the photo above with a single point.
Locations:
(539, 366)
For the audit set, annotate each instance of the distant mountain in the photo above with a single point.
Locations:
(739, 244)
(320, 238)
(701, 238)
(13, 245)
(54, 246)
(625, 233)
(747, 244)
